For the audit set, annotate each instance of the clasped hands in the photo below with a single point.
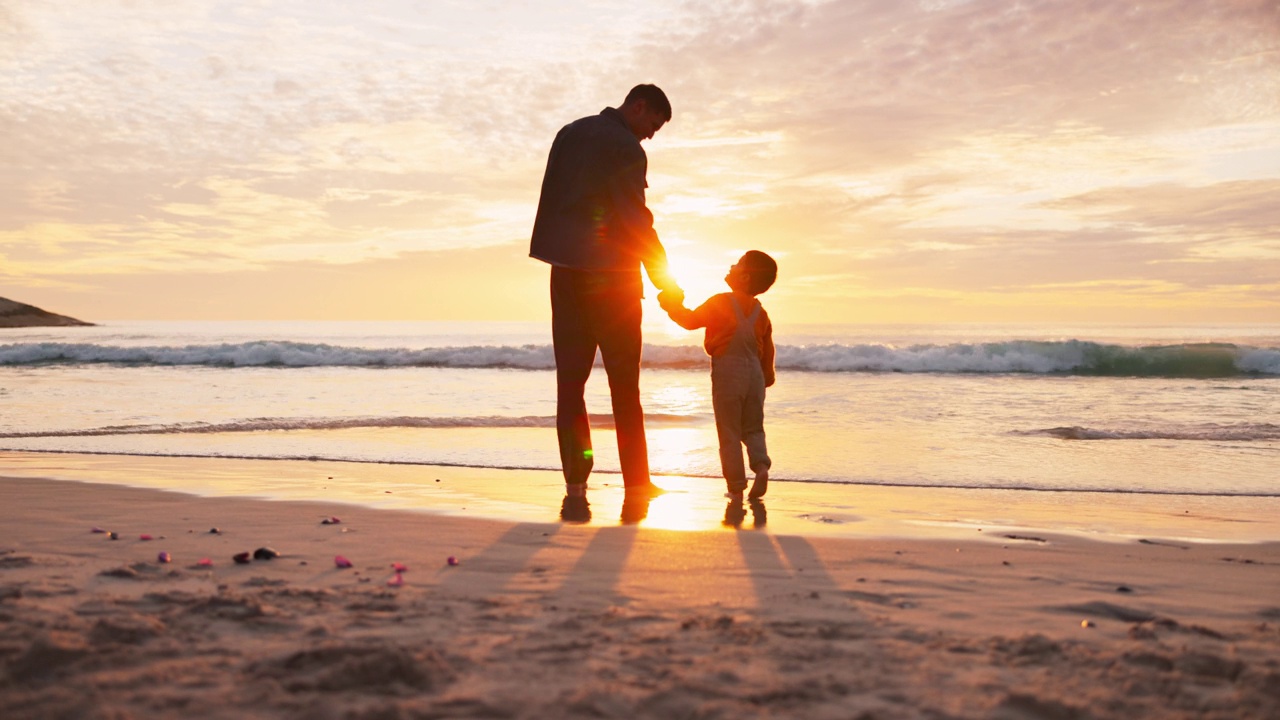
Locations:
(671, 298)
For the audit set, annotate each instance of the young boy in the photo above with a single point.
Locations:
(739, 340)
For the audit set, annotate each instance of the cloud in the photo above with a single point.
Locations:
(939, 147)
(877, 82)
(1244, 205)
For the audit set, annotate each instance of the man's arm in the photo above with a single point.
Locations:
(635, 221)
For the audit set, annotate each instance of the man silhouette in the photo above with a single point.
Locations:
(595, 231)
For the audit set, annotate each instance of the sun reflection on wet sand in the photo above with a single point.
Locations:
(674, 511)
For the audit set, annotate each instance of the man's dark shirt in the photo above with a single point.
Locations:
(592, 213)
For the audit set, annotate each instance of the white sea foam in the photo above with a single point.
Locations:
(1035, 357)
(279, 353)
(1264, 361)
(1007, 357)
(345, 423)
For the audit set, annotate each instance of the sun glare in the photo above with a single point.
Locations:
(681, 396)
(678, 509)
(699, 274)
(676, 449)
(670, 513)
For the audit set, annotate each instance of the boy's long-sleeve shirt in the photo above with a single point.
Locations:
(720, 319)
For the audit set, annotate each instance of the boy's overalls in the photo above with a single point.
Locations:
(737, 396)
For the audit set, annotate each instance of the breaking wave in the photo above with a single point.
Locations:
(1069, 357)
(1242, 432)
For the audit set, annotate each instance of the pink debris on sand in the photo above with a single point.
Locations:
(97, 530)
(243, 558)
(453, 561)
(204, 562)
(395, 580)
(342, 562)
(330, 521)
(399, 567)
(164, 557)
(144, 536)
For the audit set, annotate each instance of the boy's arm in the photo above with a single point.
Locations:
(673, 303)
(767, 350)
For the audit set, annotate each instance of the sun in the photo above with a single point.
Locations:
(698, 270)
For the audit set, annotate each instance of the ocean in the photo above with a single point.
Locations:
(1186, 410)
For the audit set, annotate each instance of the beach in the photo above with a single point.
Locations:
(351, 290)
(880, 603)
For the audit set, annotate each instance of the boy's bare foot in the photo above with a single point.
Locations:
(734, 497)
(761, 484)
(575, 489)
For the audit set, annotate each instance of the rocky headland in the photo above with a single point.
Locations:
(16, 314)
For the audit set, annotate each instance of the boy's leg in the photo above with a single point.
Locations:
(726, 400)
(575, 351)
(753, 437)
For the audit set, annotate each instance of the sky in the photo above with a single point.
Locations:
(906, 161)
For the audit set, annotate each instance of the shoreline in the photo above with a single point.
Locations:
(694, 503)
(549, 619)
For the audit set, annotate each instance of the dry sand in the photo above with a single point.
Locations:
(544, 619)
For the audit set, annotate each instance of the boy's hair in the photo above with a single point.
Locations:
(763, 269)
(653, 96)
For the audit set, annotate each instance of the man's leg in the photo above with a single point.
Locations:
(620, 342)
(575, 351)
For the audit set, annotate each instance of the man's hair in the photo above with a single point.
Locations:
(763, 269)
(653, 96)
